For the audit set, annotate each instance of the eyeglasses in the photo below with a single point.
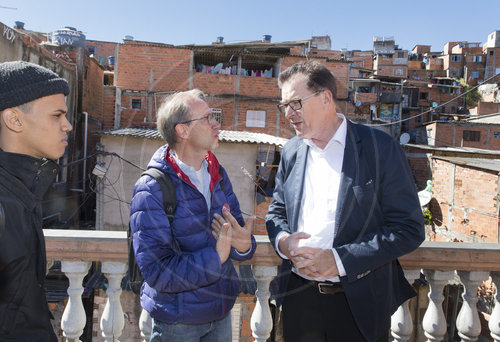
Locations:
(210, 118)
(295, 104)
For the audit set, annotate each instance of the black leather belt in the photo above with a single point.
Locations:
(328, 287)
(323, 287)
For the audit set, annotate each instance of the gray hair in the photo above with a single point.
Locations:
(174, 110)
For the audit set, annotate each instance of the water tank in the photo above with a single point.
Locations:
(68, 36)
(128, 37)
(19, 24)
(266, 38)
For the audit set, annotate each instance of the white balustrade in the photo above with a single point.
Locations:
(434, 322)
(494, 323)
(145, 325)
(401, 320)
(73, 319)
(112, 321)
(261, 321)
(468, 324)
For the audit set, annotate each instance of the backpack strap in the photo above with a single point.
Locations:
(169, 199)
(222, 183)
(167, 190)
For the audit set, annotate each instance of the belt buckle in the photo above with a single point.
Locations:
(320, 287)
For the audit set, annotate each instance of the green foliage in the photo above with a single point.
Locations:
(427, 216)
(472, 98)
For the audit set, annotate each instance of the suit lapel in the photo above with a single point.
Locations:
(299, 170)
(348, 176)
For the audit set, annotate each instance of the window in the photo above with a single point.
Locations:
(92, 50)
(424, 96)
(399, 72)
(217, 112)
(456, 58)
(475, 74)
(136, 104)
(491, 53)
(256, 118)
(401, 55)
(471, 135)
(477, 59)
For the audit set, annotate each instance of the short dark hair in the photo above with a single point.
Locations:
(317, 74)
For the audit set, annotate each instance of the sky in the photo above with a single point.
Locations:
(350, 24)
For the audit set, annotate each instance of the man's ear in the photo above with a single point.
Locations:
(12, 119)
(182, 131)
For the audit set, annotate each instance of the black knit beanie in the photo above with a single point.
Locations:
(22, 82)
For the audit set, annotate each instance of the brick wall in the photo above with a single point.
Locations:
(488, 107)
(169, 65)
(452, 135)
(109, 98)
(259, 87)
(92, 92)
(465, 202)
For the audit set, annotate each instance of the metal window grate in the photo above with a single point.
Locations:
(218, 114)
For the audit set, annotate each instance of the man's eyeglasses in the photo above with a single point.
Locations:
(210, 118)
(295, 104)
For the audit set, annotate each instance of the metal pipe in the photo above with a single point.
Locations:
(85, 150)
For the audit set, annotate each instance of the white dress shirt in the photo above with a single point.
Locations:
(320, 194)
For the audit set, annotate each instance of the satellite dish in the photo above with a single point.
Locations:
(217, 68)
(404, 138)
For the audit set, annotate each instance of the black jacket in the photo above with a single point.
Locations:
(24, 313)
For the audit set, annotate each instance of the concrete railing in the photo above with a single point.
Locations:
(470, 264)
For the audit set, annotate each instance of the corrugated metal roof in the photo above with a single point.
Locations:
(454, 149)
(488, 164)
(225, 136)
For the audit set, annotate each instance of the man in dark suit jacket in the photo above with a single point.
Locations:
(344, 209)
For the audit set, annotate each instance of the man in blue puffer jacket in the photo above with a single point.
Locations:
(190, 283)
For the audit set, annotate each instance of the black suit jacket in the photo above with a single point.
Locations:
(378, 219)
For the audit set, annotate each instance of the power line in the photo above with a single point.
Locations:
(434, 108)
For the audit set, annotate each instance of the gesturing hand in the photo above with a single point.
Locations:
(241, 236)
(223, 245)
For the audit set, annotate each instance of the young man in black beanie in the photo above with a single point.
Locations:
(33, 133)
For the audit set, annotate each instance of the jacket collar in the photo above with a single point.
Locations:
(213, 168)
(32, 174)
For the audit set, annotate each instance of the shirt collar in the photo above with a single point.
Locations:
(187, 169)
(339, 136)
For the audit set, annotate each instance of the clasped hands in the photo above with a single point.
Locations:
(313, 262)
(228, 233)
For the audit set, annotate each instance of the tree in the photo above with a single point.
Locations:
(472, 98)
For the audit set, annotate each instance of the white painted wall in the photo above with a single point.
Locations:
(121, 176)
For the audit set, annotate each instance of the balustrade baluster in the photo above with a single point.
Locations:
(494, 323)
(73, 319)
(401, 320)
(112, 321)
(468, 324)
(434, 322)
(261, 321)
(145, 325)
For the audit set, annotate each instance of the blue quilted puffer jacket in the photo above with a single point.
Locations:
(185, 281)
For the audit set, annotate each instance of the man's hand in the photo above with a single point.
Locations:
(289, 243)
(223, 245)
(241, 238)
(315, 262)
